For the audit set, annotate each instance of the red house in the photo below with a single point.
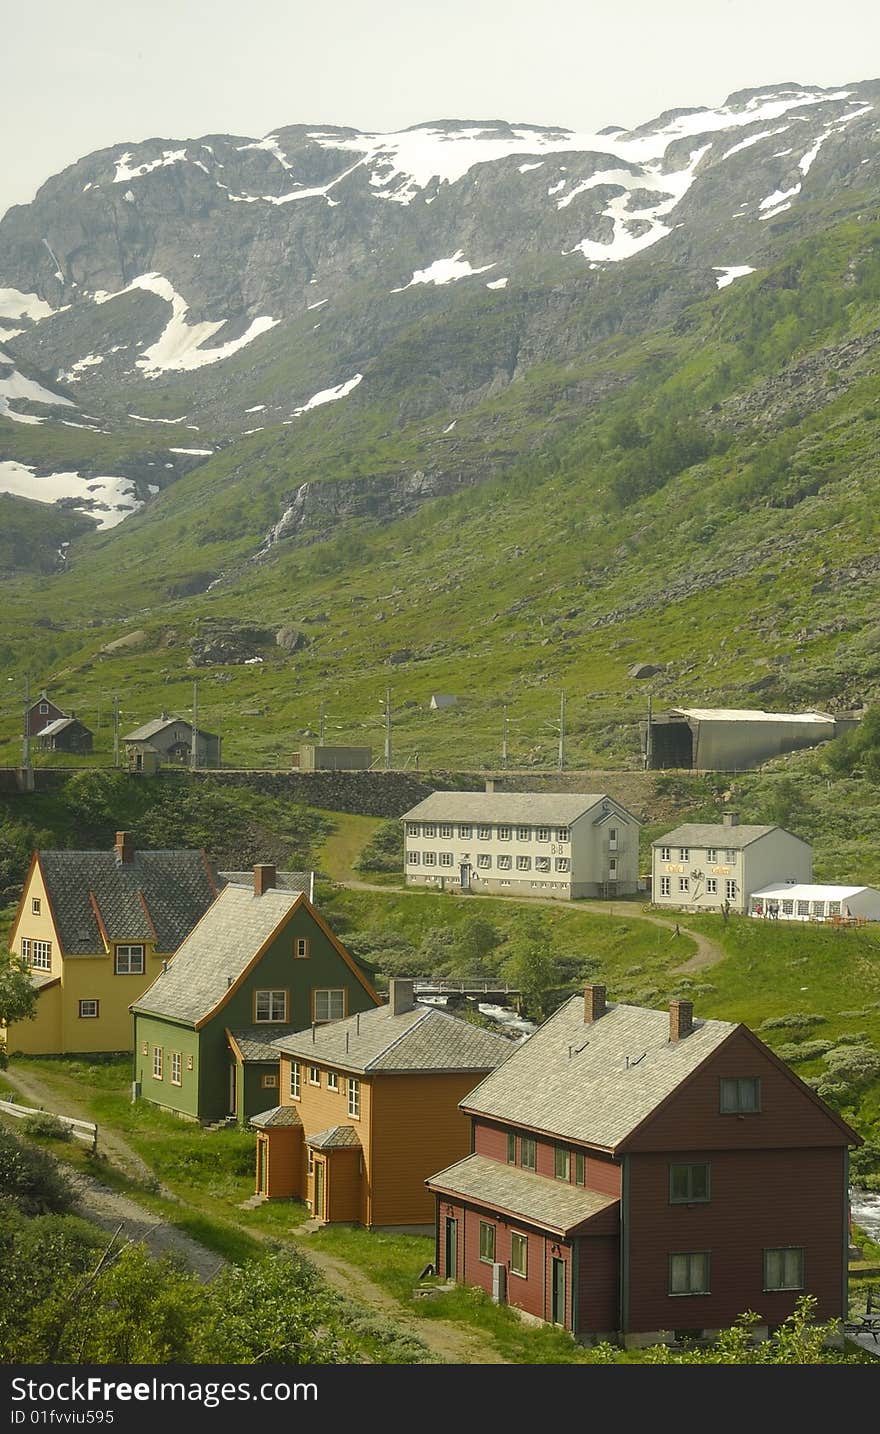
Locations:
(41, 713)
(636, 1172)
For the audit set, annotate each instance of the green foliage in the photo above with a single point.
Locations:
(798, 1340)
(272, 1311)
(858, 748)
(795, 1051)
(42, 1125)
(32, 1179)
(798, 1019)
(18, 995)
(384, 850)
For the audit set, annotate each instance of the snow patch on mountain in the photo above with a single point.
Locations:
(109, 500)
(16, 305)
(14, 386)
(74, 373)
(125, 171)
(201, 452)
(624, 240)
(444, 271)
(179, 346)
(270, 145)
(329, 395)
(727, 273)
(497, 284)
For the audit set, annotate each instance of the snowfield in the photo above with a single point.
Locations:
(109, 500)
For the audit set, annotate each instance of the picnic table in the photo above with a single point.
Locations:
(864, 1324)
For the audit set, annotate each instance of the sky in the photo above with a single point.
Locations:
(87, 75)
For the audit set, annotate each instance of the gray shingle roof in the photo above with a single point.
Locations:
(158, 724)
(284, 880)
(552, 1204)
(216, 953)
(337, 1137)
(423, 1039)
(277, 1115)
(255, 1042)
(700, 834)
(594, 1082)
(168, 891)
(552, 808)
(59, 725)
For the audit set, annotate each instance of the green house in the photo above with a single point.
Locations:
(261, 963)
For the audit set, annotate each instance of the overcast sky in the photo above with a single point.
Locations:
(80, 75)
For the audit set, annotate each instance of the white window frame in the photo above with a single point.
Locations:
(295, 1081)
(333, 1080)
(93, 1015)
(665, 853)
(505, 861)
(301, 948)
(271, 1006)
(563, 863)
(711, 886)
(730, 854)
(465, 829)
(413, 829)
(36, 906)
(684, 853)
(505, 833)
(413, 858)
(711, 853)
(37, 954)
(354, 1098)
(429, 858)
(429, 829)
(730, 890)
(125, 955)
(446, 830)
(542, 833)
(523, 833)
(484, 833)
(524, 863)
(446, 858)
(158, 1062)
(314, 1075)
(523, 1273)
(176, 1068)
(684, 883)
(329, 992)
(484, 859)
(542, 863)
(269, 1081)
(666, 886)
(563, 834)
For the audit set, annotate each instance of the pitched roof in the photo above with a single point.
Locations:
(552, 1204)
(158, 896)
(423, 1039)
(60, 725)
(276, 1115)
(700, 834)
(560, 808)
(255, 1043)
(217, 952)
(594, 1082)
(285, 880)
(158, 724)
(337, 1137)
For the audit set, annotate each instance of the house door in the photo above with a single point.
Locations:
(451, 1266)
(233, 1090)
(318, 1210)
(557, 1286)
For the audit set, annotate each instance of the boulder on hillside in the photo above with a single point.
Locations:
(291, 639)
(646, 669)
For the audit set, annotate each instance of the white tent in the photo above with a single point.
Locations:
(810, 901)
(442, 699)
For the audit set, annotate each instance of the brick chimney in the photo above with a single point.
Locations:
(681, 1019)
(401, 995)
(124, 848)
(594, 1003)
(264, 879)
(730, 819)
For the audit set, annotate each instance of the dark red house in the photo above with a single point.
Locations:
(636, 1172)
(41, 713)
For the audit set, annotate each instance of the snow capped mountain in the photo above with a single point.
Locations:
(211, 261)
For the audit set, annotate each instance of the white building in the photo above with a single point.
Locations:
(702, 865)
(802, 901)
(525, 843)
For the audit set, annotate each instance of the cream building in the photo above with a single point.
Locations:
(703, 865)
(523, 843)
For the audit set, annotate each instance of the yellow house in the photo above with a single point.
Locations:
(94, 928)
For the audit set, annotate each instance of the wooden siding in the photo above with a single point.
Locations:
(283, 1162)
(602, 1173)
(598, 1264)
(761, 1199)
(320, 1108)
(416, 1130)
(789, 1116)
(343, 1182)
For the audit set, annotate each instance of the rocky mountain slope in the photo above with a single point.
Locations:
(449, 392)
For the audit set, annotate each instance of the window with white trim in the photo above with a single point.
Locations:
(429, 829)
(519, 1254)
(504, 833)
(711, 853)
(129, 960)
(784, 1269)
(429, 858)
(684, 883)
(36, 905)
(788, 908)
(665, 885)
(176, 1068)
(543, 833)
(730, 890)
(563, 863)
(563, 834)
(88, 1010)
(413, 829)
(44, 709)
(157, 1062)
(270, 1006)
(524, 863)
(612, 838)
(354, 1098)
(523, 833)
(665, 853)
(37, 954)
(711, 886)
(483, 859)
(314, 1075)
(464, 830)
(446, 829)
(684, 853)
(689, 1273)
(803, 908)
(487, 1242)
(268, 1082)
(446, 858)
(301, 948)
(484, 833)
(295, 1089)
(332, 1080)
(542, 863)
(505, 862)
(413, 858)
(730, 854)
(329, 1005)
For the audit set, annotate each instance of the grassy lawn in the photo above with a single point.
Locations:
(344, 843)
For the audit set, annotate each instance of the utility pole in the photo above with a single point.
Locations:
(504, 736)
(116, 731)
(26, 736)
(321, 723)
(561, 730)
(194, 751)
(387, 729)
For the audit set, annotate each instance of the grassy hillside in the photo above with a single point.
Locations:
(714, 513)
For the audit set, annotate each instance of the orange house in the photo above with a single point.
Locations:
(370, 1109)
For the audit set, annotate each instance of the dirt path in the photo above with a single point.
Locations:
(45, 1096)
(111, 1210)
(708, 952)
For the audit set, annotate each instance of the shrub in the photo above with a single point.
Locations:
(384, 850)
(858, 1066)
(795, 1051)
(42, 1125)
(787, 1023)
(32, 1178)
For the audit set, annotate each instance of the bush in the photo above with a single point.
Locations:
(857, 1066)
(384, 850)
(792, 1022)
(42, 1125)
(32, 1179)
(795, 1051)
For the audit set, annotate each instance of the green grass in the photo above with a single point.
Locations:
(348, 836)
